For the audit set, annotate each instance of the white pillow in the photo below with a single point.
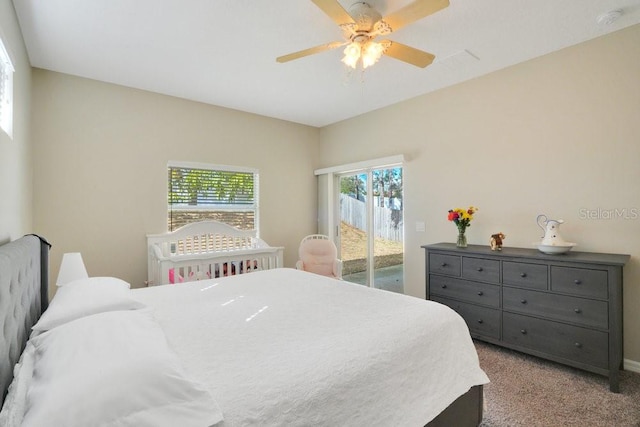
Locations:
(102, 280)
(113, 368)
(85, 297)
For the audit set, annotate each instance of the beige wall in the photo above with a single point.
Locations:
(101, 154)
(16, 192)
(554, 135)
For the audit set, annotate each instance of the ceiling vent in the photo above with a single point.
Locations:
(609, 17)
(458, 60)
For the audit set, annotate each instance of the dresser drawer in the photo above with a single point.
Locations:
(486, 270)
(444, 264)
(566, 341)
(477, 293)
(480, 320)
(524, 274)
(557, 307)
(580, 281)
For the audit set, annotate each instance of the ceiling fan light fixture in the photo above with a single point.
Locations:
(368, 52)
(363, 24)
(371, 53)
(351, 54)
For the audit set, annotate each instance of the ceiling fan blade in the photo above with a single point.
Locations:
(414, 12)
(310, 51)
(335, 11)
(408, 54)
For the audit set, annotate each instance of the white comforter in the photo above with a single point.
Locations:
(288, 348)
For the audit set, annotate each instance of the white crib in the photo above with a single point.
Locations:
(207, 249)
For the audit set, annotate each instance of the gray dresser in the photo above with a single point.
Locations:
(566, 308)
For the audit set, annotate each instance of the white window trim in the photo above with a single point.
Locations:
(6, 103)
(367, 164)
(226, 168)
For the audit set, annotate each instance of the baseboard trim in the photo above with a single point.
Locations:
(631, 365)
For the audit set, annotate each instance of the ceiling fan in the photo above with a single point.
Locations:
(363, 24)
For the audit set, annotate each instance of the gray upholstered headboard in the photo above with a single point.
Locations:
(24, 289)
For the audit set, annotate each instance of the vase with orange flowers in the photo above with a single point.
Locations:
(462, 219)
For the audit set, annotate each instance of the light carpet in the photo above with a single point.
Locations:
(529, 391)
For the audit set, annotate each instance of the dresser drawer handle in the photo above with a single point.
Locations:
(577, 310)
(444, 264)
(444, 286)
(577, 282)
(479, 268)
(524, 301)
(523, 274)
(578, 345)
(480, 320)
(480, 293)
(523, 331)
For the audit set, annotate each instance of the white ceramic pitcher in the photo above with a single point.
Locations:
(551, 228)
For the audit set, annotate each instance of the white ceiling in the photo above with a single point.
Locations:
(223, 52)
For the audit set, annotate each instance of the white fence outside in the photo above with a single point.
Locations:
(354, 212)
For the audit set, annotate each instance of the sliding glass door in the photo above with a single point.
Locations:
(370, 231)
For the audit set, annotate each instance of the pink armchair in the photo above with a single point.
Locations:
(319, 255)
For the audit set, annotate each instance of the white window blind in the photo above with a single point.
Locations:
(199, 192)
(6, 90)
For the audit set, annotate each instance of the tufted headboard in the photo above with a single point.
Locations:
(24, 291)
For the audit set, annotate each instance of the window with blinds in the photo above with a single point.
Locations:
(6, 91)
(198, 192)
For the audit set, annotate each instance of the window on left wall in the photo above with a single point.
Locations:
(198, 192)
(6, 90)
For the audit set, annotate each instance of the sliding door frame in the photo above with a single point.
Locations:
(329, 209)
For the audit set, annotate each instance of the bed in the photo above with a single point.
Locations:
(205, 250)
(275, 347)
